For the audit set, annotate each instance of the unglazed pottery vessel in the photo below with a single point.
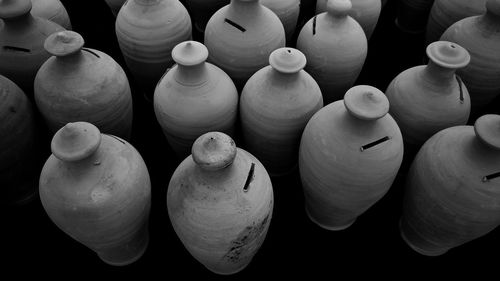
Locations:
(147, 31)
(288, 12)
(241, 36)
(428, 98)
(96, 188)
(453, 190)
(202, 11)
(220, 204)
(52, 10)
(412, 15)
(193, 98)
(21, 42)
(480, 35)
(18, 150)
(115, 5)
(275, 106)
(336, 48)
(365, 12)
(350, 153)
(81, 84)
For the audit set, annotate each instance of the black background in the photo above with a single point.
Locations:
(32, 244)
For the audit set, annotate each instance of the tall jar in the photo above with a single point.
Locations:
(202, 11)
(288, 12)
(220, 204)
(241, 36)
(336, 48)
(82, 84)
(480, 35)
(276, 104)
(349, 156)
(21, 42)
(452, 191)
(193, 98)
(428, 98)
(412, 15)
(96, 188)
(147, 31)
(52, 10)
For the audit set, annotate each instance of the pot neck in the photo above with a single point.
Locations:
(492, 15)
(244, 5)
(438, 74)
(193, 75)
(23, 21)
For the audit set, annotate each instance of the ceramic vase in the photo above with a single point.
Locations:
(349, 156)
(147, 31)
(287, 11)
(96, 188)
(336, 48)
(18, 150)
(365, 12)
(241, 36)
(21, 42)
(444, 13)
(202, 11)
(52, 10)
(115, 5)
(428, 98)
(480, 35)
(220, 203)
(412, 15)
(452, 193)
(275, 106)
(193, 98)
(82, 84)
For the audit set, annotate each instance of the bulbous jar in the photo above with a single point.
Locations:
(349, 156)
(147, 31)
(193, 98)
(287, 11)
(82, 84)
(412, 15)
(452, 193)
(18, 149)
(96, 188)
(275, 106)
(202, 11)
(428, 98)
(115, 5)
(220, 204)
(480, 35)
(336, 48)
(365, 12)
(52, 10)
(241, 36)
(21, 42)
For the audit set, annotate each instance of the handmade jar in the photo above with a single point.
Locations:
(275, 106)
(220, 204)
(336, 48)
(480, 35)
(365, 12)
(21, 42)
(452, 191)
(241, 36)
(18, 150)
(412, 15)
(287, 11)
(428, 98)
(147, 31)
(82, 84)
(52, 10)
(193, 98)
(115, 5)
(96, 188)
(444, 13)
(202, 11)
(349, 156)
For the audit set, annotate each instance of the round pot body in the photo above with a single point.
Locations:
(52, 10)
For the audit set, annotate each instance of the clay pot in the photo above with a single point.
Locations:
(81, 84)
(444, 13)
(365, 12)
(336, 48)
(18, 150)
(202, 11)
(220, 204)
(428, 98)
(452, 190)
(21, 42)
(147, 31)
(193, 98)
(350, 153)
(412, 15)
(96, 188)
(480, 35)
(287, 11)
(115, 5)
(52, 10)
(276, 104)
(241, 36)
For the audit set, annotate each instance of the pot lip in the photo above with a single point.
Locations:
(487, 129)
(10, 9)
(287, 60)
(366, 102)
(214, 151)
(448, 54)
(190, 53)
(64, 43)
(75, 141)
